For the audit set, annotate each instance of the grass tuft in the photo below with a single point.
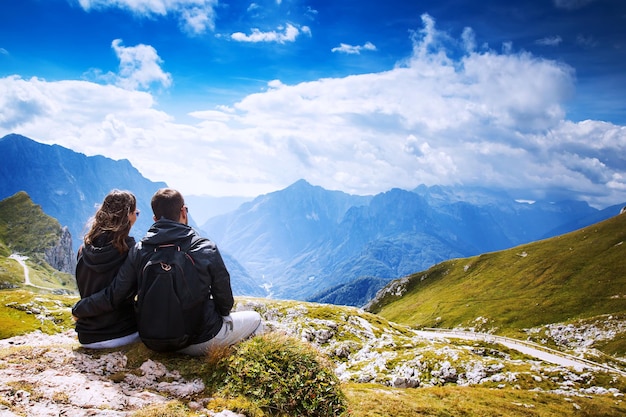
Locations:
(284, 377)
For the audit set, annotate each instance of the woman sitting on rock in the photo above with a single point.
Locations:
(104, 249)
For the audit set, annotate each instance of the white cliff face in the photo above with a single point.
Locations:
(61, 256)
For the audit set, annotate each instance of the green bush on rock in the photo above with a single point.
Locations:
(285, 377)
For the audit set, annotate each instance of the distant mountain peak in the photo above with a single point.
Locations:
(301, 183)
(15, 136)
(301, 186)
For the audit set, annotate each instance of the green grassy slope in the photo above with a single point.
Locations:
(578, 275)
(24, 311)
(27, 230)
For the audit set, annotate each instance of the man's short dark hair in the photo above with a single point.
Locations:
(166, 203)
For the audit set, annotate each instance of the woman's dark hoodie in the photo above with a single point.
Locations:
(97, 265)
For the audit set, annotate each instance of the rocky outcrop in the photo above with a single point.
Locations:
(76, 383)
(395, 288)
(61, 256)
(49, 375)
(367, 349)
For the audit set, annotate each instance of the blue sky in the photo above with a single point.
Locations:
(245, 98)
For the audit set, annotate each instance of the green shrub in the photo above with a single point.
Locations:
(285, 377)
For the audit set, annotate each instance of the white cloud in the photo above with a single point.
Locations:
(468, 39)
(195, 16)
(283, 34)
(550, 41)
(21, 102)
(350, 49)
(438, 117)
(86, 113)
(196, 20)
(311, 13)
(139, 66)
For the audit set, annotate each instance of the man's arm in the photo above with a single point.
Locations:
(122, 288)
(220, 281)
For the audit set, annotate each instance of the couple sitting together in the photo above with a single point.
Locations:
(170, 290)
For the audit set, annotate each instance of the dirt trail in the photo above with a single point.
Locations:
(528, 348)
(21, 260)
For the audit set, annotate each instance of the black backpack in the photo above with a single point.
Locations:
(170, 299)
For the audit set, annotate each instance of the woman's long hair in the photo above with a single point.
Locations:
(112, 218)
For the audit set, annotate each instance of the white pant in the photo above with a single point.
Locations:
(244, 325)
(113, 343)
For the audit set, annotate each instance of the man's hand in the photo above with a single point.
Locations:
(228, 320)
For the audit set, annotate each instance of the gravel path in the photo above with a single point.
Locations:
(528, 348)
(20, 259)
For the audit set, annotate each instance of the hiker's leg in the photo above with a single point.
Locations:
(245, 324)
(113, 343)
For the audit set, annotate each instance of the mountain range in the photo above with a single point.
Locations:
(305, 242)
(69, 185)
